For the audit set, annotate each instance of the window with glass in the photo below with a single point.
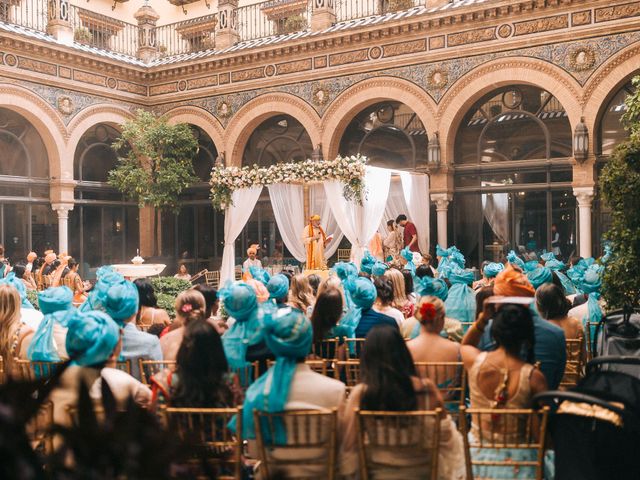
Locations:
(27, 221)
(103, 227)
(389, 134)
(513, 176)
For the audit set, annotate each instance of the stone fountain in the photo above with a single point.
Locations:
(138, 269)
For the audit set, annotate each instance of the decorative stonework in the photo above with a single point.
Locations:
(471, 36)
(270, 70)
(248, 74)
(375, 53)
(90, 78)
(436, 43)
(112, 82)
(320, 96)
(617, 12)
(320, 62)
(65, 105)
(294, 67)
(437, 79)
(223, 110)
(505, 31)
(541, 25)
(37, 66)
(581, 18)
(405, 48)
(353, 56)
(210, 81)
(582, 59)
(10, 60)
(130, 87)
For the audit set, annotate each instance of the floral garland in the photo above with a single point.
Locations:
(348, 170)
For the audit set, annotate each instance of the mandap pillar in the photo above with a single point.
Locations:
(442, 201)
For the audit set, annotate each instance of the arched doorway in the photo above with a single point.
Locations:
(26, 219)
(513, 176)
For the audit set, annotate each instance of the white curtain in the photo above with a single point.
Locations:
(288, 207)
(495, 207)
(318, 205)
(416, 196)
(395, 206)
(235, 218)
(360, 222)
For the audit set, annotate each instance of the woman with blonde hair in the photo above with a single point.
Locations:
(400, 299)
(12, 330)
(300, 294)
(190, 306)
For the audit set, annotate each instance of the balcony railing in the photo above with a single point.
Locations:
(275, 17)
(29, 14)
(195, 35)
(101, 31)
(355, 9)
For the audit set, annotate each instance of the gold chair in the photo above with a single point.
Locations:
(327, 349)
(344, 254)
(310, 447)
(405, 443)
(589, 338)
(449, 377)
(39, 429)
(205, 431)
(212, 278)
(504, 432)
(348, 371)
(28, 370)
(124, 366)
(574, 368)
(318, 365)
(248, 374)
(148, 368)
(354, 346)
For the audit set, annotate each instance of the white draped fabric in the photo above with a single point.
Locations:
(360, 222)
(235, 218)
(416, 197)
(395, 206)
(318, 205)
(495, 207)
(287, 201)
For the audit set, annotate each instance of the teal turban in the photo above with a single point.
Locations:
(456, 256)
(92, 337)
(379, 268)
(363, 294)
(554, 264)
(105, 269)
(240, 302)
(548, 256)
(288, 334)
(492, 269)
(461, 302)
(531, 266)
(432, 286)
(259, 274)
(122, 301)
(514, 259)
(98, 296)
(345, 270)
(278, 286)
(458, 275)
(367, 262)
(407, 254)
(540, 276)
(55, 304)
(17, 283)
(591, 281)
(441, 252)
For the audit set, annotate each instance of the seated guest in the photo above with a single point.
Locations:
(149, 313)
(300, 294)
(384, 300)
(93, 343)
(201, 378)
(13, 332)
(502, 379)
(390, 383)
(549, 348)
(19, 270)
(183, 273)
(212, 303)
(401, 301)
(461, 302)
(362, 317)
(190, 305)
(288, 334)
(409, 286)
(48, 343)
(314, 283)
(278, 287)
(424, 271)
(489, 272)
(327, 312)
(122, 306)
(28, 315)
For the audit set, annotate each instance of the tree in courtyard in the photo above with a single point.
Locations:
(155, 162)
(620, 184)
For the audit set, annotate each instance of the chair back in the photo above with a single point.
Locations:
(327, 348)
(212, 278)
(449, 377)
(148, 368)
(348, 371)
(514, 439)
(344, 254)
(318, 366)
(28, 370)
(205, 431)
(124, 366)
(402, 443)
(309, 449)
(247, 374)
(574, 368)
(354, 346)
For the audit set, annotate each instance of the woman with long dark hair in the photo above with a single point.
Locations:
(390, 383)
(325, 317)
(149, 312)
(201, 378)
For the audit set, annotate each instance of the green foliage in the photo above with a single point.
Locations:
(620, 185)
(32, 296)
(170, 286)
(155, 163)
(167, 303)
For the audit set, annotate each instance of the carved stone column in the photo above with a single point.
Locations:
(147, 42)
(58, 23)
(442, 201)
(63, 209)
(323, 15)
(584, 195)
(227, 35)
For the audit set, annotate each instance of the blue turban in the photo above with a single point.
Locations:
(363, 294)
(514, 259)
(591, 283)
(461, 302)
(54, 304)
(105, 269)
(540, 276)
(441, 252)
(259, 274)
(531, 266)
(367, 262)
(278, 286)
(17, 283)
(379, 268)
(554, 264)
(407, 254)
(546, 256)
(288, 334)
(92, 337)
(98, 296)
(345, 270)
(240, 302)
(456, 256)
(492, 269)
(432, 286)
(122, 301)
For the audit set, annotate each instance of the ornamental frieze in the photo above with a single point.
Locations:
(617, 12)
(541, 25)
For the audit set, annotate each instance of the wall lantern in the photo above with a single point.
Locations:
(433, 152)
(581, 142)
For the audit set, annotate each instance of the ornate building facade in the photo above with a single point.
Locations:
(512, 107)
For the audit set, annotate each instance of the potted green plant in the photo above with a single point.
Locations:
(82, 35)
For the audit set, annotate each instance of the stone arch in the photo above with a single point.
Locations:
(367, 92)
(498, 73)
(604, 83)
(45, 120)
(247, 119)
(200, 118)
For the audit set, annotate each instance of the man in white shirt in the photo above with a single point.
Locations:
(252, 261)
